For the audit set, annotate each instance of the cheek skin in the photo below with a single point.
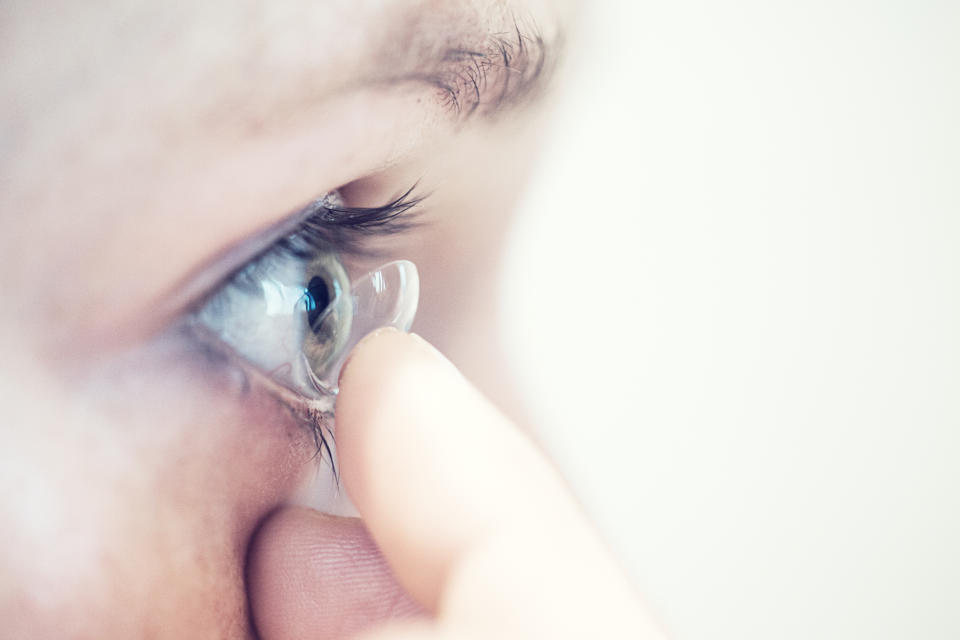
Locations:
(130, 515)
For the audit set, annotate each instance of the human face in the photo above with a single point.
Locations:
(146, 148)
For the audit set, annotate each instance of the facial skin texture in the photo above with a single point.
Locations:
(140, 143)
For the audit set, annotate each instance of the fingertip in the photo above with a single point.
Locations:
(381, 385)
(373, 336)
(396, 398)
(430, 464)
(463, 505)
(387, 347)
(319, 576)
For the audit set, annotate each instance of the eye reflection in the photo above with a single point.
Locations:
(286, 313)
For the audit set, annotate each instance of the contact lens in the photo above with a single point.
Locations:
(296, 320)
(385, 297)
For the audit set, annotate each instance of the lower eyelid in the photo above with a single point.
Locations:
(242, 381)
(213, 361)
(260, 404)
(181, 375)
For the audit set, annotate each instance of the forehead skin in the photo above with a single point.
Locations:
(127, 123)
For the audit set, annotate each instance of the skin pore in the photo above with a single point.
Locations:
(141, 142)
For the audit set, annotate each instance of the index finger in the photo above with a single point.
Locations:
(466, 510)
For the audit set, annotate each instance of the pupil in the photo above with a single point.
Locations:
(318, 300)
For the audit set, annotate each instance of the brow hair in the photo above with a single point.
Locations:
(509, 70)
(506, 69)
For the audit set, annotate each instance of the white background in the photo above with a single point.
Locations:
(734, 300)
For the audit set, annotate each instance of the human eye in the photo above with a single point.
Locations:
(293, 313)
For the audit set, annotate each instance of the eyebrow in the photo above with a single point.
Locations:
(476, 64)
(505, 69)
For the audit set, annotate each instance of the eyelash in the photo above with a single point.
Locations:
(325, 225)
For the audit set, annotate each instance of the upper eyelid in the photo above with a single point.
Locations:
(341, 232)
(345, 228)
(325, 224)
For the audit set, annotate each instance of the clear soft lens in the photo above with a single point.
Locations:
(385, 297)
(296, 317)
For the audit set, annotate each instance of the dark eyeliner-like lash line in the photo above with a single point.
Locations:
(324, 224)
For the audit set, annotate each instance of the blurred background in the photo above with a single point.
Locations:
(733, 296)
